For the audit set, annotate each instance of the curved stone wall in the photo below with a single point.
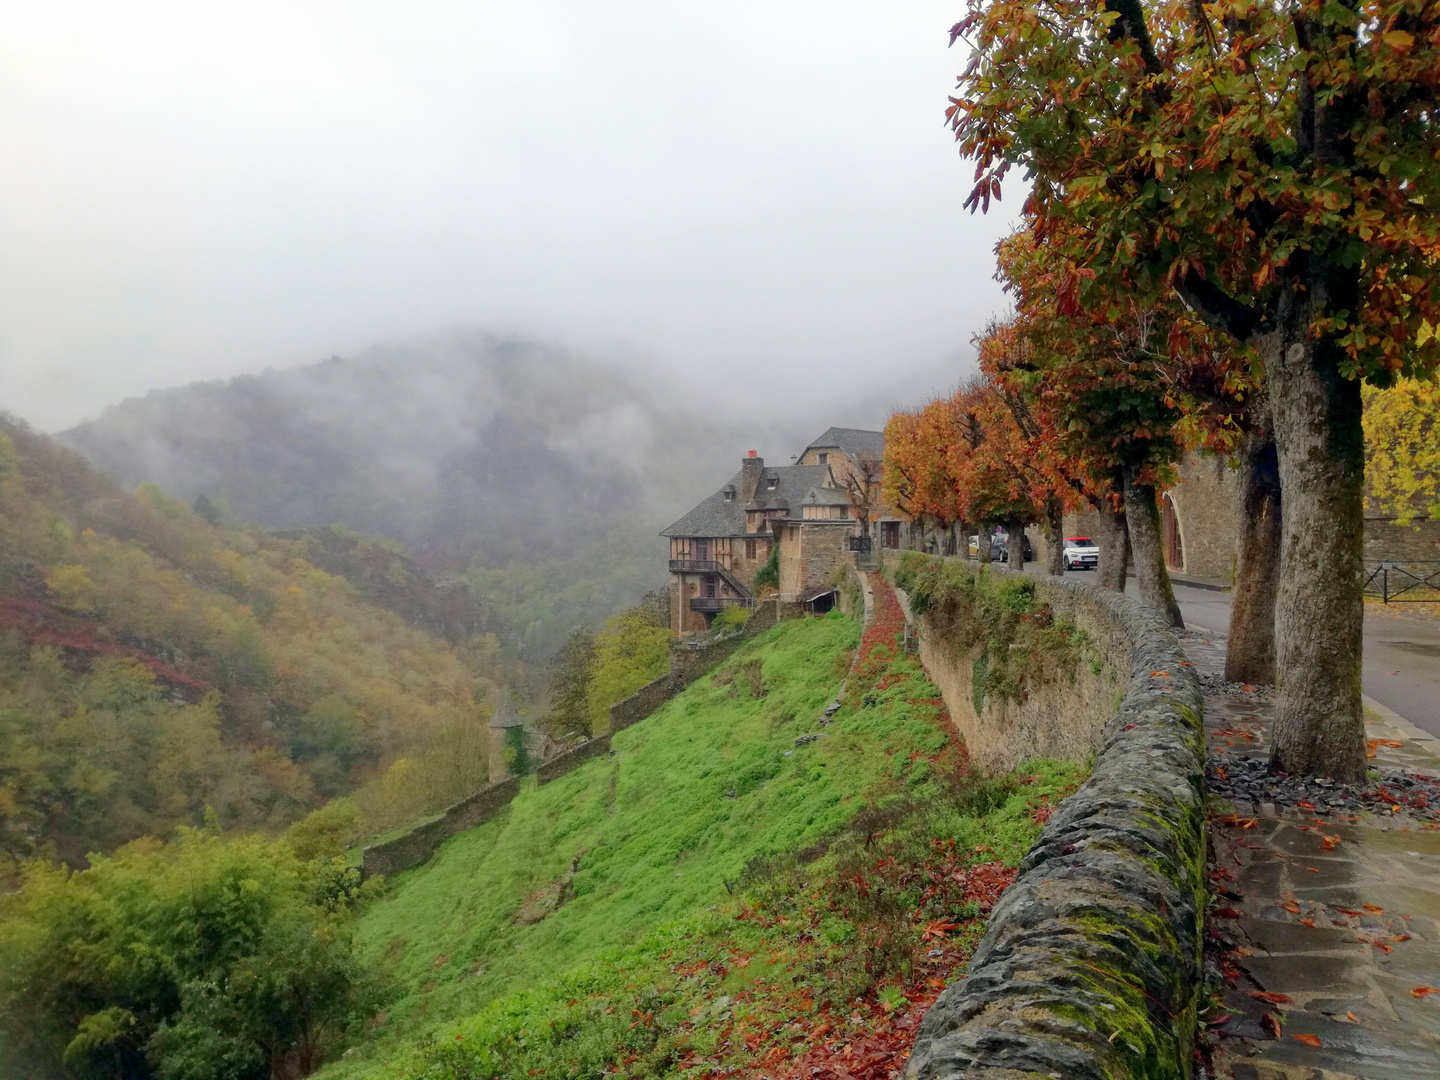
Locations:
(1091, 964)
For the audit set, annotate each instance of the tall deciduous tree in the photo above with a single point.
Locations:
(1274, 164)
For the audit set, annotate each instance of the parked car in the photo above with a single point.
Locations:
(1080, 553)
(1000, 548)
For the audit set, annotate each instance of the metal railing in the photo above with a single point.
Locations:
(1398, 581)
(861, 543)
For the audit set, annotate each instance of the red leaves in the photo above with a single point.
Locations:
(1309, 1040)
(1271, 1021)
(1424, 991)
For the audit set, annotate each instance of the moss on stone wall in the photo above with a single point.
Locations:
(1024, 644)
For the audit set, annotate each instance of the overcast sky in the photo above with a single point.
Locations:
(761, 189)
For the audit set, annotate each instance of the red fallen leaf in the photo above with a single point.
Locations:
(1159, 674)
(1291, 906)
(1424, 991)
(1398, 937)
(1384, 947)
(1308, 922)
(1227, 913)
(938, 929)
(1351, 1017)
(1247, 688)
(1271, 1021)
(1304, 804)
(1329, 842)
(1309, 1040)
(1220, 1020)
(1374, 909)
(1312, 869)
(1347, 911)
(821, 1030)
(1271, 996)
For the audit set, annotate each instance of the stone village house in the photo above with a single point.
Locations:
(815, 513)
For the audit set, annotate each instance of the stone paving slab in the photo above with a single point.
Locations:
(1324, 922)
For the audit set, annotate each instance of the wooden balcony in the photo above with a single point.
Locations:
(696, 566)
(719, 603)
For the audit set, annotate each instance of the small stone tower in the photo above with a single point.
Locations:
(507, 737)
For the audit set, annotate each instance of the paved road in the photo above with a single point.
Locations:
(1402, 650)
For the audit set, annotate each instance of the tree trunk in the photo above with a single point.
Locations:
(983, 537)
(1319, 619)
(1054, 536)
(1114, 543)
(1250, 646)
(1016, 533)
(1142, 519)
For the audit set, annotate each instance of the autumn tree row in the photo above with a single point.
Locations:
(1270, 167)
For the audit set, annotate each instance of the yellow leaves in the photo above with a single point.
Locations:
(71, 587)
(1400, 40)
(1402, 437)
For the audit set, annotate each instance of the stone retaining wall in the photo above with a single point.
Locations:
(414, 847)
(573, 758)
(1091, 964)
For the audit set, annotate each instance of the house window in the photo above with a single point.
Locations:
(774, 482)
(709, 586)
(729, 494)
(824, 459)
(749, 549)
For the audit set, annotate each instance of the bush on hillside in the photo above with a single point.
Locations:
(204, 958)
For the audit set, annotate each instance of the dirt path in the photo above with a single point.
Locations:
(1326, 927)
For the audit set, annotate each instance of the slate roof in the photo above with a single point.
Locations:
(824, 496)
(716, 517)
(505, 714)
(854, 442)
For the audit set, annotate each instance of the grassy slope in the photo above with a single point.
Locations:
(660, 841)
(654, 826)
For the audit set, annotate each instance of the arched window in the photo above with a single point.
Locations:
(1174, 546)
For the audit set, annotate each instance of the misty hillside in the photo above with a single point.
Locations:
(540, 476)
(158, 664)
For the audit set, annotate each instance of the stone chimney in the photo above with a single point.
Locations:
(751, 467)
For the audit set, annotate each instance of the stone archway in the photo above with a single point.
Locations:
(1171, 537)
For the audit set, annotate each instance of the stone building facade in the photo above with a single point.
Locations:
(805, 514)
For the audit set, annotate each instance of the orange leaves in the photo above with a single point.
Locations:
(1271, 1021)
(1424, 991)
(1309, 1040)
(938, 929)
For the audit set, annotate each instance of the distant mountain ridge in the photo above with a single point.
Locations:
(541, 476)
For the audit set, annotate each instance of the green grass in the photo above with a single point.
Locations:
(706, 809)
(691, 796)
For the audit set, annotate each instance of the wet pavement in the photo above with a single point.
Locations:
(1326, 924)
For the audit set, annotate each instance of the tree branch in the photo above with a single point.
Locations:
(1219, 310)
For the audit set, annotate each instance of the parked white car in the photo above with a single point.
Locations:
(1080, 553)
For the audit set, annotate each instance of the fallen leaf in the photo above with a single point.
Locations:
(1308, 922)
(1291, 906)
(1220, 1020)
(1329, 841)
(1159, 674)
(1374, 909)
(1309, 1040)
(1271, 996)
(1271, 1021)
(1312, 869)
(1424, 991)
(1227, 913)
(1398, 937)
(1351, 1017)
(1348, 911)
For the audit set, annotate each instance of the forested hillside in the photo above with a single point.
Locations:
(157, 664)
(540, 476)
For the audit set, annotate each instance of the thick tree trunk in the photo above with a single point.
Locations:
(1016, 554)
(983, 537)
(1319, 615)
(1114, 543)
(1250, 646)
(1054, 536)
(1142, 518)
